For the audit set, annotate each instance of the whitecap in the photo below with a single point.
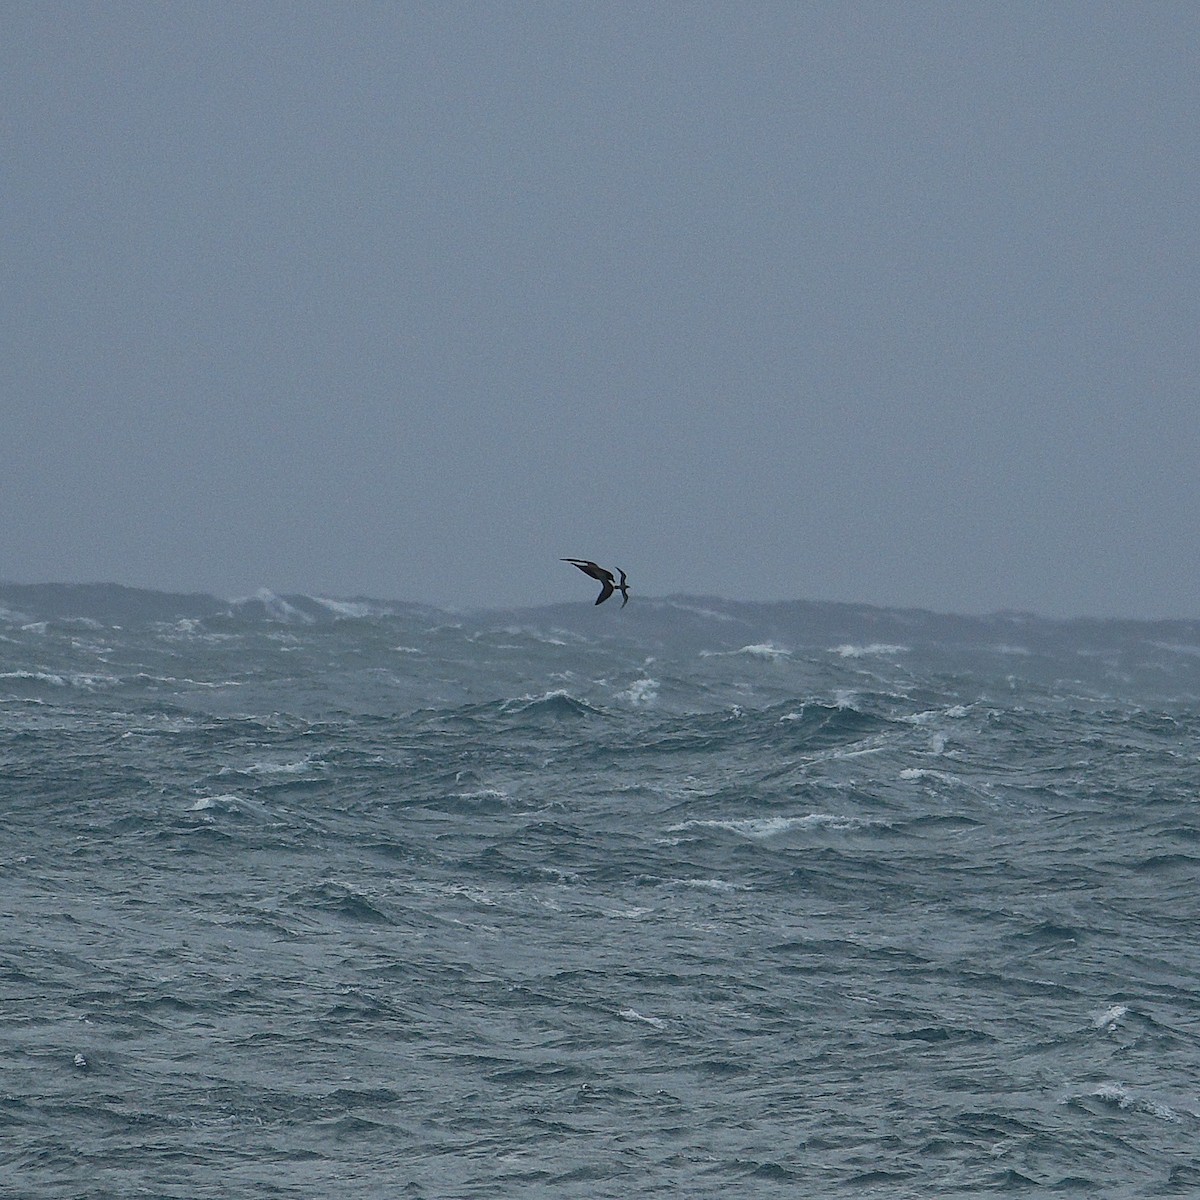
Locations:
(925, 773)
(874, 649)
(279, 609)
(85, 683)
(1119, 1096)
(1109, 1018)
(835, 821)
(482, 796)
(632, 1014)
(229, 802)
(641, 692)
(761, 828)
(40, 676)
(758, 828)
(766, 650)
(347, 608)
(763, 650)
(277, 768)
(956, 712)
(1114, 1093)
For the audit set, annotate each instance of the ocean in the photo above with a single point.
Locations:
(304, 897)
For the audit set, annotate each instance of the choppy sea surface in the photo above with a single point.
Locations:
(307, 898)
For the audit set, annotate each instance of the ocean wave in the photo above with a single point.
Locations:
(921, 773)
(632, 1014)
(83, 682)
(817, 724)
(641, 692)
(710, 885)
(275, 608)
(763, 828)
(557, 703)
(767, 651)
(1114, 1094)
(226, 802)
(300, 766)
(355, 610)
(1109, 1018)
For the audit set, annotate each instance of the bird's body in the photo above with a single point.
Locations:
(608, 584)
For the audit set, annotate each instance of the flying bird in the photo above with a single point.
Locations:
(607, 583)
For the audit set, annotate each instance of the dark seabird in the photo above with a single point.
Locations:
(607, 584)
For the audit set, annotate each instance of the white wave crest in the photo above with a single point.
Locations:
(347, 608)
(85, 683)
(761, 828)
(39, 676)
(226, 802)
(632, 1014)
(279, 609)
(874, 649)
(925, 773)
(1109, 1018)
(642, 692)
(1122, 1097)
(277, 768)
(765, 650)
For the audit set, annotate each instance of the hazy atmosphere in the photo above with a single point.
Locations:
(835, 301)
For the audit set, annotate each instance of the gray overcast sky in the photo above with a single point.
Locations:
(884, 302)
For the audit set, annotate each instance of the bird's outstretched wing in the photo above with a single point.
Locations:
(607, 583)
(589, 568)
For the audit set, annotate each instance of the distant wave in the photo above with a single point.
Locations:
(848, 650)
(642, 691)
(85, 683)
(558, 703)
(350, 609)
(761, 828)
(764, 650)
(276, 607)
(1165, 653)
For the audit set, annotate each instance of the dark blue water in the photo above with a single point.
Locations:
(301, 900)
